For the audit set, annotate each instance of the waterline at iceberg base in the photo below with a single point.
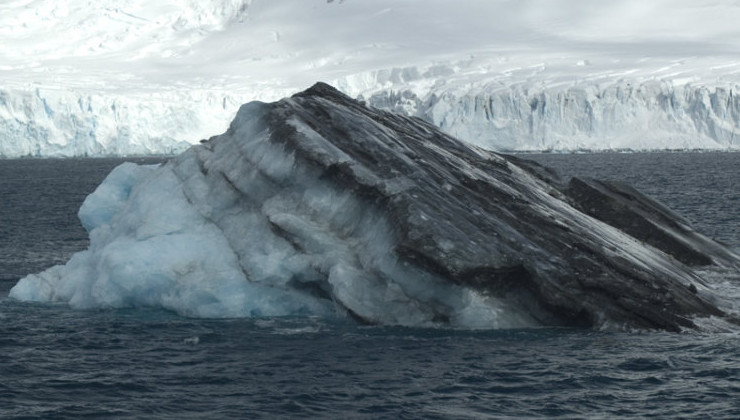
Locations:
(319, 205)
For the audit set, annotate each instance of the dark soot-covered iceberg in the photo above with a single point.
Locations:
(319, 205)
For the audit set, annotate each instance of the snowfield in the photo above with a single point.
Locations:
(152, 77)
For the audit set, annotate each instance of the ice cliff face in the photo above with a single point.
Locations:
(54, 123)
(614, 116)
(320, 205)
(650, 115)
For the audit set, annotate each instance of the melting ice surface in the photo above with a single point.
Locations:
(149, 246)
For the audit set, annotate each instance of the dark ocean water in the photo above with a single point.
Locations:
(135, 363)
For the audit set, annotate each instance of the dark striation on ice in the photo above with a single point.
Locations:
(627, 209)
(576, 252)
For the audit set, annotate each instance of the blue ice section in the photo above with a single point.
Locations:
(108, 199)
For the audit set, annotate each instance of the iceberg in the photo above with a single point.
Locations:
(320, 205)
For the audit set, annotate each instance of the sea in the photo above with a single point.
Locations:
(59, 363)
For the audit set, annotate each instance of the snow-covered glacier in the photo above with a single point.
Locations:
(68, 84)
(151, 77)
(320, 205)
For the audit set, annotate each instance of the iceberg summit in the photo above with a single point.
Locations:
(320, 205)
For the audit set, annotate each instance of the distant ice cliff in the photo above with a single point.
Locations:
(59, 123)
(615, 116)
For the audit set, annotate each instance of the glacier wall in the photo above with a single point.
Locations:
(44, 122)
(651, 115)
(648, 115)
